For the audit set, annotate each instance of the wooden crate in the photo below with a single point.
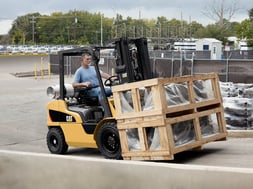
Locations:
(160, 117)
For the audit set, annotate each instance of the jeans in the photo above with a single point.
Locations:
(97, 92)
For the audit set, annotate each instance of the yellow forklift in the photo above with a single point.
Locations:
(77, 120)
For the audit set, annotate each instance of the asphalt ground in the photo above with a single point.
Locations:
(23, 120)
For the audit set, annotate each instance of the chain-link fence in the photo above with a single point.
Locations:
(237, 67)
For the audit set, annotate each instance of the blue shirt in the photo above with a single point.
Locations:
(86, 74)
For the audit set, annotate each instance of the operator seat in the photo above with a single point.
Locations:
(81, 94)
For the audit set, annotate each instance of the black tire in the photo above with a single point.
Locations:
(108, 141)
(56, 141)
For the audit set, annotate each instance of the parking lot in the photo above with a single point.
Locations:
(23, 101)
(23, 121)
(33, 49)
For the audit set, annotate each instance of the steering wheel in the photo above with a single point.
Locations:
(111, 81)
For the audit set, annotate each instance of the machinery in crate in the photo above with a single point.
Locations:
(160, 117)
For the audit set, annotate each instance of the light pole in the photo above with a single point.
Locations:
(101, 34)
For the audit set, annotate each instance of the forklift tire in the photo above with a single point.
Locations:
(108, 141)
(56, 141)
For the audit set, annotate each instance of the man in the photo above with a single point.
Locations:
(86, 76)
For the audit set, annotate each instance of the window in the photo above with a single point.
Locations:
(205, 47)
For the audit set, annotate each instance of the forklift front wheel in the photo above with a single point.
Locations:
(56, 141)
(108, 141)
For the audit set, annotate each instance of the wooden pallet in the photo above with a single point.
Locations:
(160, 117)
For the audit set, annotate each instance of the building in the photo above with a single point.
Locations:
(243, 46)
(185, 45)
(210, 44)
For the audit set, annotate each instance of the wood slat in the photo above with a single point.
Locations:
(162, 117)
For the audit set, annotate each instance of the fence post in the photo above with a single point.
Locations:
(192, 61)
(227, 65)
(42, 67)
(35, 71)
(49, 70)
(181, 64)
(172, 65)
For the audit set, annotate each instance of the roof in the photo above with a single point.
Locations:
(211, 40)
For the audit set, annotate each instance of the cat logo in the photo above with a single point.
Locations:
(69, 118)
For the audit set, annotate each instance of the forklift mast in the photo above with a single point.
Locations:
(132, 60)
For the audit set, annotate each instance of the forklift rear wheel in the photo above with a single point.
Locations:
(108, 141)
(56, 141)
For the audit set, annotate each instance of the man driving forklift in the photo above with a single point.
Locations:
(85, 76)
(85, 122)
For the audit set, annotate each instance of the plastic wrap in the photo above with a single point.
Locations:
(238, 112)
(229, 89)
(176, 94)
(238, 105)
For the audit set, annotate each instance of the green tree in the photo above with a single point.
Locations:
(195, 28)
(218, 32)
(250, 14)
(245, 28)
(22, 31)
(84, 28)
(244, 31)
(74, 27)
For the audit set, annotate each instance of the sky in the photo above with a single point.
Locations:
(188, 10)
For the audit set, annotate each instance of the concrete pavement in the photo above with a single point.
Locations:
(32, 170)
(23, 130)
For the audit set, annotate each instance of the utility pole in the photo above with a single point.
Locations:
(33, 23)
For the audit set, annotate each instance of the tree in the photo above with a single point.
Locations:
(52, 28)
(5, 39)
(244, 31)
(195, 27)
(221, 11)
(175, 28)
(84, 28)
(22, 31)
(251, 14)
(214, 31)
(245, 28)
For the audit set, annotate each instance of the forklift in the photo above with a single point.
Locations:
(75, 119)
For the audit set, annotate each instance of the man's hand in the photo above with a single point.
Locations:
(86, 84)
